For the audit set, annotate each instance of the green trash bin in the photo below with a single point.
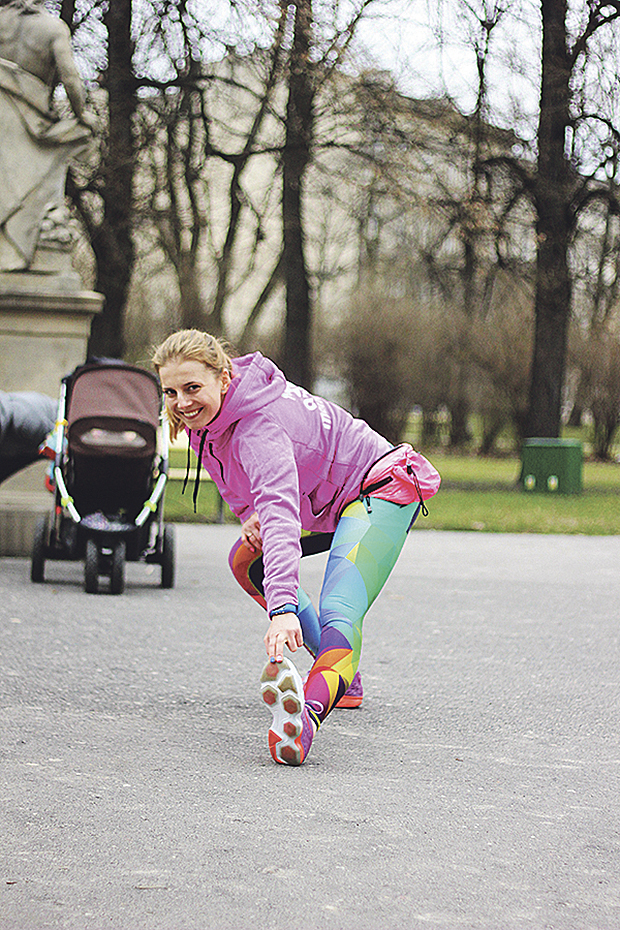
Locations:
(552, 466)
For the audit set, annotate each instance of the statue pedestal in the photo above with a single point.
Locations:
(44, 328)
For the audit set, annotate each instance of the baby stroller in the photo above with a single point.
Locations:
(109, 475)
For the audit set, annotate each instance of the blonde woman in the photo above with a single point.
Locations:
(286, 461)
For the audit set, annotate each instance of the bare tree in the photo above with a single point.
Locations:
(312, 62)
(103, 198)
(500, 351)
(296, 155)
(559, 195)
(216, 120)
(395, 353)
(429, 216)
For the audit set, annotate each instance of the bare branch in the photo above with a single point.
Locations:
(602, 13)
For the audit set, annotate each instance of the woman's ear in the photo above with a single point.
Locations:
(225, 381)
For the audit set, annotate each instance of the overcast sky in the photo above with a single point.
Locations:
(428, 45)
(430, 48)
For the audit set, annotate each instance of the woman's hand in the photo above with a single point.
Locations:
(284, 630)
(250, 534)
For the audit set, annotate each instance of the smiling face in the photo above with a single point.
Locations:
(193, 391)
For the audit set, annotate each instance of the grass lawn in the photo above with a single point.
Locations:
(493, 511)
(483, 494)
(179, 508)
(476, 494)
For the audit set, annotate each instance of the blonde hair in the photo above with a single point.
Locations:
(196, 346)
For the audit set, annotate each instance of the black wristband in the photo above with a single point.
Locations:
(284, 609)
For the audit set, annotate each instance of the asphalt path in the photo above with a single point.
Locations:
(477, 787)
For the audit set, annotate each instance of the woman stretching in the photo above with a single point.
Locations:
(286, 461)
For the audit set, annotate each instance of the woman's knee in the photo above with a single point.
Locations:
(247, 568)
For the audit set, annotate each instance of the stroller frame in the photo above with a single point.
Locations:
(106, 540)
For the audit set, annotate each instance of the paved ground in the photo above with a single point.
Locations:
(478, 787)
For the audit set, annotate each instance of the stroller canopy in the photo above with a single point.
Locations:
(112, 409)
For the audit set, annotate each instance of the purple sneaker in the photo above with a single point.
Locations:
(354, 694)
(291, 732)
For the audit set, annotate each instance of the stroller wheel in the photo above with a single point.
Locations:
(39, 545)
(117, 574)
(91, 567)
(167, 557)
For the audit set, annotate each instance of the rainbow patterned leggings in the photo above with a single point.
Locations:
(362, 552)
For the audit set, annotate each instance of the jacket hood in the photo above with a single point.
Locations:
(256, 382)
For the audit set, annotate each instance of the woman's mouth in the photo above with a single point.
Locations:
(191, 414)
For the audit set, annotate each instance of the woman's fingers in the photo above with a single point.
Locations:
(284, 630)
(250, 533)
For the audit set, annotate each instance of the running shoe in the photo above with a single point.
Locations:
(354, 694)
(291, 732)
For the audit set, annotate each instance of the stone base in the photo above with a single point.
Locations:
(43, 332)
(23, 501)
(18, 519)
(44, 329)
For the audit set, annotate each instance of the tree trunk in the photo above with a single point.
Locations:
(112, 244)
(554, 226)
(459, 428)
(192, 305)
(605, 425)
(295, 159)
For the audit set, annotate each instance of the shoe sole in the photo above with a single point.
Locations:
(282, 691)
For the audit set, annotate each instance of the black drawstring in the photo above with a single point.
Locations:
(418, 489)
(203, 440)
(189, 449)
(214, 456)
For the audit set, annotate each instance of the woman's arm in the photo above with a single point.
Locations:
(266, 455)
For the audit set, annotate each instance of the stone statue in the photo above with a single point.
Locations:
(36, 145)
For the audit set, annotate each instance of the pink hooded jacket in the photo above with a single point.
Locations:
(294, 458)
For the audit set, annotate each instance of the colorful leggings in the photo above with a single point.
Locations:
(363, 552)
